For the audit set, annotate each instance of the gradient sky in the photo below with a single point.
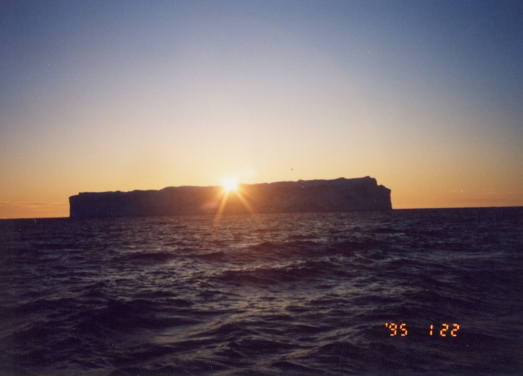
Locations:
(424, 96)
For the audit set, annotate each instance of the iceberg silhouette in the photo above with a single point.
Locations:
(338, 195)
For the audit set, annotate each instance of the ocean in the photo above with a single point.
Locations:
(405, 292)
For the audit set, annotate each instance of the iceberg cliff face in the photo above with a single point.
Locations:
(339, 195)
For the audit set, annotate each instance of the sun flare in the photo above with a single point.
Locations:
(230, 185)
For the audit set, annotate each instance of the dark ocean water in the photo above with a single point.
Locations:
(274, 294)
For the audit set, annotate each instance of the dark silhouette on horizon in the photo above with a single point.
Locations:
(339, 195)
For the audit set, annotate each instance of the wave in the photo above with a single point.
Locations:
(285, 294)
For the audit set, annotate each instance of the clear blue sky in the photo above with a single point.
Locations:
(425, 96)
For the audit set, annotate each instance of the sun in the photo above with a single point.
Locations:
(230, 185)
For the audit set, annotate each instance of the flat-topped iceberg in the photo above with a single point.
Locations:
(339, 195)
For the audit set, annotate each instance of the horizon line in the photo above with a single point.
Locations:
(182, 215)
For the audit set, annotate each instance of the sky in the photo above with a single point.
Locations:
(424, 96)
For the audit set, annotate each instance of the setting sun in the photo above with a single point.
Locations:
(230, 185)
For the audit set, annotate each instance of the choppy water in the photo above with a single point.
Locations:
(266, 295)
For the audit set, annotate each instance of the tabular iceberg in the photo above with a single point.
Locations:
(339, 195)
